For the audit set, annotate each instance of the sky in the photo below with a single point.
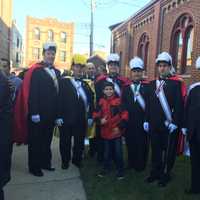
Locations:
(107, 12)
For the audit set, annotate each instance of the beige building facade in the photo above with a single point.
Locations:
(5, 26)
(39, 31)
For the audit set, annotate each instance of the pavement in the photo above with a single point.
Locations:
(58, 185)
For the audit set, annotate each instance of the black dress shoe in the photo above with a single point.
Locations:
(151, 179)
(164, 180)
(65, 165)
(191, 192)
(37, 173)
(49, 168)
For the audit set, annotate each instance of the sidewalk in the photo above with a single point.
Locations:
(58, 185)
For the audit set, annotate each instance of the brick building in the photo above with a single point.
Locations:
(162, 25)
(39, 31)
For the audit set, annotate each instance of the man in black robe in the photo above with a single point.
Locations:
(5, 131)
(75, 111)
(193, 132)
(133, 98)
(43, 97)
(164, 111)
(113, 76)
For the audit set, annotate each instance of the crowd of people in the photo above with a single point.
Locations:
(105, 107)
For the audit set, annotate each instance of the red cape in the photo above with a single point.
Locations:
(20, 132)
(181, 137)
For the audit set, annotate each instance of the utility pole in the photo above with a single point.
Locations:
(92, 2)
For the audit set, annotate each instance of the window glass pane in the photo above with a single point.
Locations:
(36, 53)
(36, 34)
(63, 36)
(189, 47)
(63, 56)
(179, 50)
(50, 35)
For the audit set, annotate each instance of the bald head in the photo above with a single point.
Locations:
(90, 69)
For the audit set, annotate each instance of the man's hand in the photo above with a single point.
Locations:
(59, 122)
(35, 118)
(103, 121)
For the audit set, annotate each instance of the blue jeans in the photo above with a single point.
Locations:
(113, 151)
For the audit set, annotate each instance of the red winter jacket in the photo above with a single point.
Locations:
(116, 117)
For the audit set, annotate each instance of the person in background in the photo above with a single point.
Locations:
(91, 76)
(134, 99)
(75, 106)
(113, 76)
(112, 119)
(5, 130)
(14, 80)
(193, 133)
(36, 111)
(163, 120)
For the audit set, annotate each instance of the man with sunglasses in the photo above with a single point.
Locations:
(164, 111)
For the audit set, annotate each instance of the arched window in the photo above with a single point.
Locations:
(50, 35)
(63, 37)
(143, 48)
(36, 33)
(182, 43)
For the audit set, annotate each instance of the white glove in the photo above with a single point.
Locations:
(172, 127)
(184, 131)
(59, 122)
(90, 122)
(35, 118)
(146, 126)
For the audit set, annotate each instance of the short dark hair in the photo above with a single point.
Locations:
(6, 60)
(114, 62)
(108, 84)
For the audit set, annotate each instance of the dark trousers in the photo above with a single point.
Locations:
(92, 146)
(1, 194)
(66, 133)
(112, 148)
(137, 143)
(195, 161)
(99, 144)
(39, 145)
(164, 148)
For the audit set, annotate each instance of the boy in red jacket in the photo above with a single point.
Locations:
(112, 118)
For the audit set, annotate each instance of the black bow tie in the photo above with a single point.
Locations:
(136, 82)
(50, 67)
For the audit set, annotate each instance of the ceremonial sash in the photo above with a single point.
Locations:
(138, 97)
(80, 92)
(52, 74)
(116, 86)
(193, 86)
(163, 100)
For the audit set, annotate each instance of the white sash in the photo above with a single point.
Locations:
(52, 74)
(138, 97)
(163, 100)
(80, 92)
(116, 86)
(193, 86)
